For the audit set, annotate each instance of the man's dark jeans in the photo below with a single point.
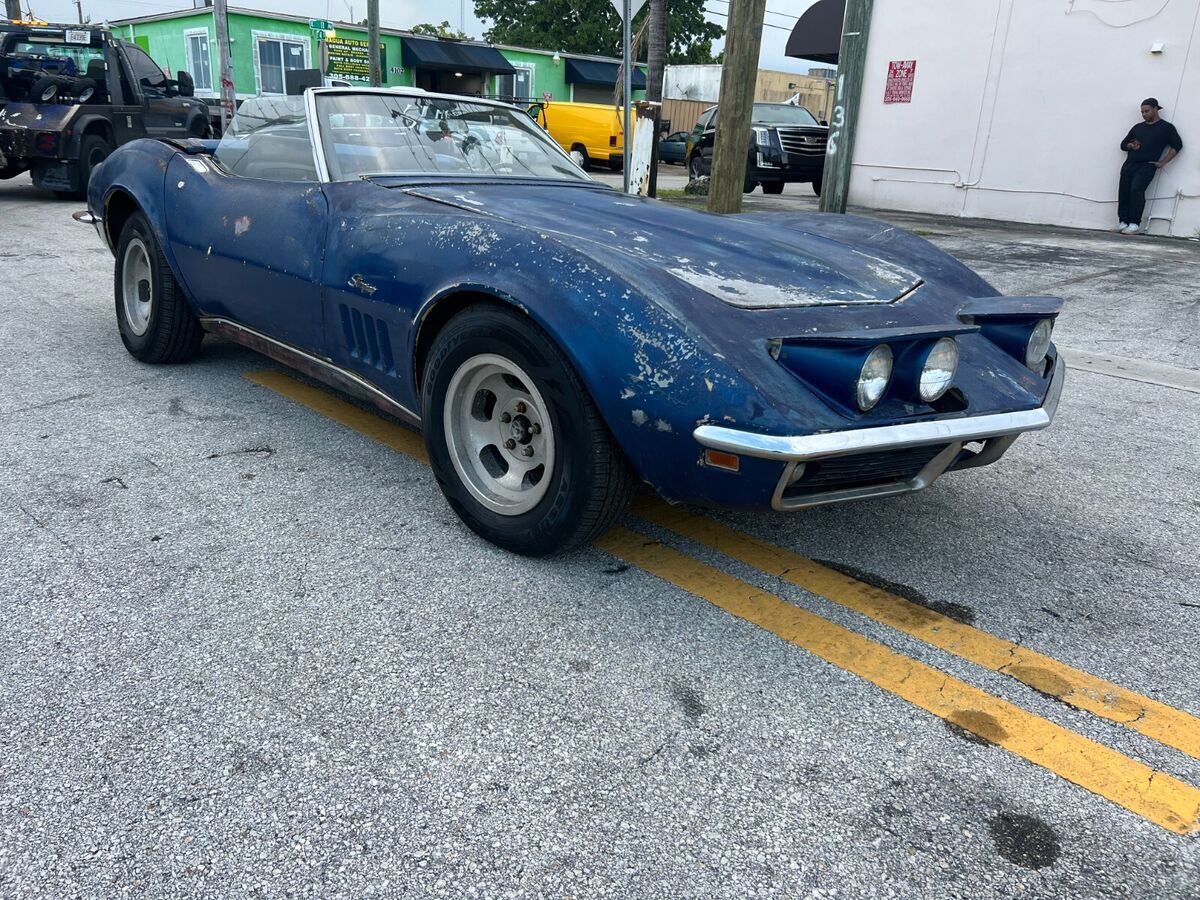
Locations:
(1131, 192)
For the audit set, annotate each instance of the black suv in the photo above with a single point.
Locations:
(786, 145)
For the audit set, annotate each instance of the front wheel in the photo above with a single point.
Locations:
(817, 185)
(155, 321)
(772, 187)
(517, 445)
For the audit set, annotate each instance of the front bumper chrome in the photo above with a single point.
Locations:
(997, 431)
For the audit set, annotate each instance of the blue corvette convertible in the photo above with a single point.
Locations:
(555, 340)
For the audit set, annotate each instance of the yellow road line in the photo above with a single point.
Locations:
(1154, 795)
(373, 426)
(1156, 720)
(1151, 794)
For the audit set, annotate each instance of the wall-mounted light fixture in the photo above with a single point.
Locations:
(556, 58)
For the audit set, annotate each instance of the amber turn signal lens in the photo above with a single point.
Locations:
(719, 459)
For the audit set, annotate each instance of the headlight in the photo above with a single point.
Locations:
(874, 377)
(1039, 343)
(762, 137)
(938, 371)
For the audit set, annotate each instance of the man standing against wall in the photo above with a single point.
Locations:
(1143, 146)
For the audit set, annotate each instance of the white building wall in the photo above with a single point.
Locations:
(1019, 107)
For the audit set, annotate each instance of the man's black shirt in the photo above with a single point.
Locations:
(1155, 139)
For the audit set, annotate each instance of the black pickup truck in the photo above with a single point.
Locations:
(787, 145)
(70, 94)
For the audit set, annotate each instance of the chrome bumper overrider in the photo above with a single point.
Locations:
(997, 431)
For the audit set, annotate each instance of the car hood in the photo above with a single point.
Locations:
(744, 262)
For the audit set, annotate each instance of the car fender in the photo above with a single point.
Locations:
(79, 126)
(136, 170)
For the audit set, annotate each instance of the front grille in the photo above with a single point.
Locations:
(862, 470)
(801, 142)
(367, 339)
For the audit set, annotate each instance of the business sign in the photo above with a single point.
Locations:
(350, 59)
(901, 73)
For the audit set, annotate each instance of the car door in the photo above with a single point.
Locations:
(164, 112)
(247, 229)
(708, 138)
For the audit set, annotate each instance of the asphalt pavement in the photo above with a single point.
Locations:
(247, 650)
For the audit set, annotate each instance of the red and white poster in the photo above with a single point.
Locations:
(901, 73)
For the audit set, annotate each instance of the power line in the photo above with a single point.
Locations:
(769, 12)
(765, 24)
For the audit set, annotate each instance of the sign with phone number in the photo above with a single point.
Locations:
(901, 75)
(351, 59)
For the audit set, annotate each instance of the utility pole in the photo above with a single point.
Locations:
(12, 9)
(373, 41)
(839, 153)
(79, 11)
(224, 64)
(743, 36)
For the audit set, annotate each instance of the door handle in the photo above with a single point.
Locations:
(356, 281)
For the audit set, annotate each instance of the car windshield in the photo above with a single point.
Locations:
(395, 134)
(781, 114)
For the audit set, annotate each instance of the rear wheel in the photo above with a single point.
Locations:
(516, 443)
(695, 166)
(93, 150)
(579, 157)
(155, 321)
(772, 187)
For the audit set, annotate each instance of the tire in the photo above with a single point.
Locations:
(45, 89)
(696, 166)
(489, 363)
(93, 150)
(748, 185)
(83, 89)
(616, 165)
(156, 323)
(772, 187)
(817, 185)
(579, 157)
(200, 129)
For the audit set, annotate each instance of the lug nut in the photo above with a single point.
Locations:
(520, 407)
(535, 428)
(505, 417)
(510, 443)
(527, 451)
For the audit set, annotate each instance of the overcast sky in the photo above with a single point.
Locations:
(781, 16)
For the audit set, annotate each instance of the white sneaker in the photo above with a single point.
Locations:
(1121, 226)
(1132, 229)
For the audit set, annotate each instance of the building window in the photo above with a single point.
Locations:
(518, 85)
(199, 59)
(275, 54)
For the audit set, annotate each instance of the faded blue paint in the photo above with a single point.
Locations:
(652, 303)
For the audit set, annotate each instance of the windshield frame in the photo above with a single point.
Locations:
(323, 171)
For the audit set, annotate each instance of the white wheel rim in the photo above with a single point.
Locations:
(578, 158)
(499, 434)
(137, 290)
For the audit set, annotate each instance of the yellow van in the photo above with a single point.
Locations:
(590, 132)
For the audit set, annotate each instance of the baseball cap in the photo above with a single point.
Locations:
(1150, 101)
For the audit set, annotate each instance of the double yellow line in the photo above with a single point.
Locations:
(1152, 794)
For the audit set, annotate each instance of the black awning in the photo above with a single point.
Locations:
(818, 33)
(451, 56)
(603, 74)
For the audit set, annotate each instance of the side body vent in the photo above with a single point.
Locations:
(368, 339)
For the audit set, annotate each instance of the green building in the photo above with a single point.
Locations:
(265, 45)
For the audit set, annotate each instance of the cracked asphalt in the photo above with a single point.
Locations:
(247, 651)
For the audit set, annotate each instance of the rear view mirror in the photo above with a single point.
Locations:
(187, 87)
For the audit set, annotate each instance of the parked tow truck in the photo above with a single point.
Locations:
(71, 94)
